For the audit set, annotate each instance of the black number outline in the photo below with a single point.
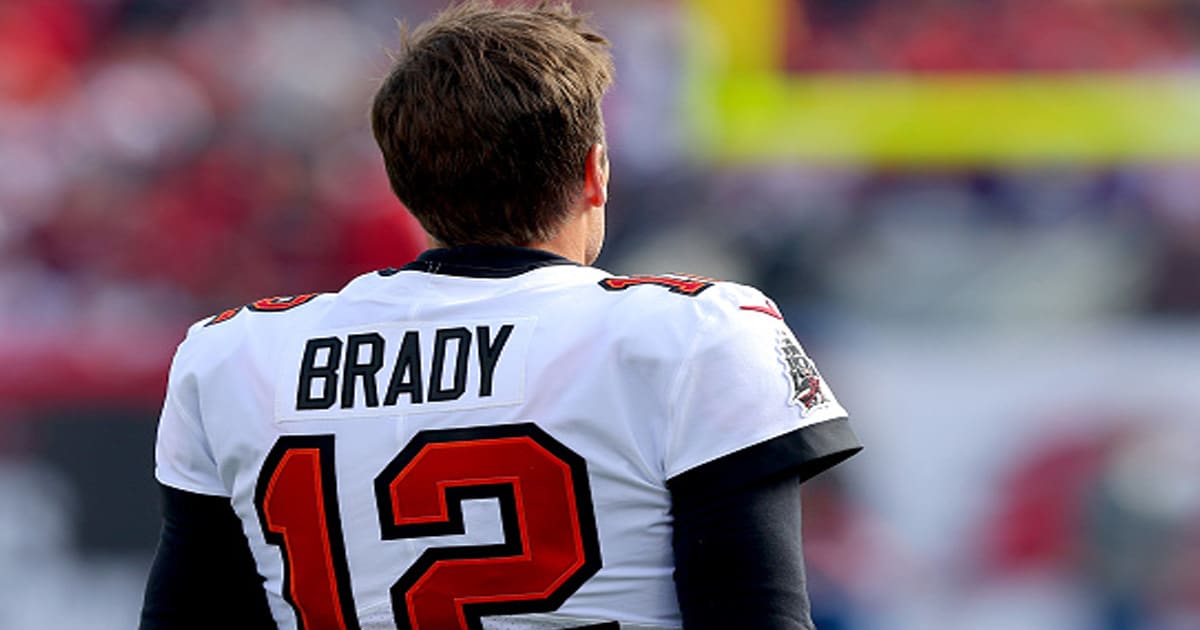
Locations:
(505, 493)
(324, 445)
(513, 543)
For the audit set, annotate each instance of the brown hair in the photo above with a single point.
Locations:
(486, 119)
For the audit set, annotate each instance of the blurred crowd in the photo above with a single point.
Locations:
(161, 161)
(992, 35)
(192, 151)
(194, 155)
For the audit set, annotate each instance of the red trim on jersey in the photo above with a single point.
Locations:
(769, 309)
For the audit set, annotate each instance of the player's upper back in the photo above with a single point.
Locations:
(448, 335)
(501, 362)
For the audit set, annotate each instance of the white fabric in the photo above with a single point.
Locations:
(643, 383)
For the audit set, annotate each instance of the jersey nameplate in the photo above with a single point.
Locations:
(414, 368)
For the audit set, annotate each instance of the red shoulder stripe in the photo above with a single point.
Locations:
(769, 309)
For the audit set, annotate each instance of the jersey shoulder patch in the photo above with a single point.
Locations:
(729, 299)
(266, 305)
(682, 284)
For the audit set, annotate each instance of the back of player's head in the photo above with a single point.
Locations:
(486, 119)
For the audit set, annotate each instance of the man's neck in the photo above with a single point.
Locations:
(570, 242)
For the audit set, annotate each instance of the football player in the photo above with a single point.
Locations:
(497, 435)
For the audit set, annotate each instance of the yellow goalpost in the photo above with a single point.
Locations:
(744, 107)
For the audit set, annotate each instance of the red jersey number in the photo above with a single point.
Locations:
(297, 505)
(550, 543)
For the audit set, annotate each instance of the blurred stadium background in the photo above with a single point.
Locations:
(981, 216)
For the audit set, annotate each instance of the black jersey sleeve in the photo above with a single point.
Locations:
(737, 538)
(203, 575)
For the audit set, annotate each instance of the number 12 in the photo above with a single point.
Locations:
(550, 543)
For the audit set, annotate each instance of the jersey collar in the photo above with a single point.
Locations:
(482, 261)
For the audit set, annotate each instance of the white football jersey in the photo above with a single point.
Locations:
(481, 441)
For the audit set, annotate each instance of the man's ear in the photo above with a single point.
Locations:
(595, 179)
